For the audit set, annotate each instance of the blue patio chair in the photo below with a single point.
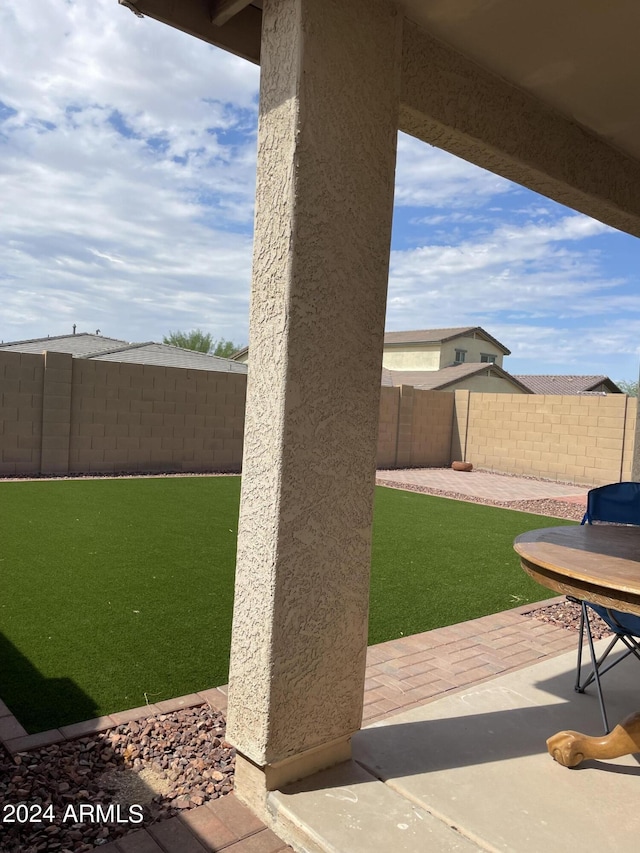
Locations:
(618, 503)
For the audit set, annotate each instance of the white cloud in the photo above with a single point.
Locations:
(583, 349)
(100, 53)
(129, 160)
(447, 217)
(429, 177)
(529, 269)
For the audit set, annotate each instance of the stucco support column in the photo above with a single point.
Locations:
(326, 162)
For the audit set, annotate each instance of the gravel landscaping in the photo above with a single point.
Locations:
(145, 771)
(565, 614)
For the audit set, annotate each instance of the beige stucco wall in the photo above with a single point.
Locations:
(436, 356)
(475, 348)
(412, 357)
(61, 415)
(324, 198)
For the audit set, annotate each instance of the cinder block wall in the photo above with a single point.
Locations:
(61, 415)
(388, 427)
(629, 439)
(459, 425)
(580, 439)
(414, 428)
(133, 417)
(431, 429)
(21, 385)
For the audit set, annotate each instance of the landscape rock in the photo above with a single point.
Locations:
(182, 766)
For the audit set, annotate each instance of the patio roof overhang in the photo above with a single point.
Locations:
(543, 94)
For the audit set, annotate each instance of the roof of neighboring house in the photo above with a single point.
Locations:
(240, 353)
(438, 380)
(85, 345)
(166, 355)
(569, 384)
(438, 336)
(81, 345)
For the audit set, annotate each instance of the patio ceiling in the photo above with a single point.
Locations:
(541, 93)
(579, 58)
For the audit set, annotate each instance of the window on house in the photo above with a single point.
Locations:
(461, 355)
(490, 359)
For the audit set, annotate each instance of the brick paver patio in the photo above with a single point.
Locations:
(409, 672)
(483, 484)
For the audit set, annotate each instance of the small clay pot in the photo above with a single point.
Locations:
(462, 466)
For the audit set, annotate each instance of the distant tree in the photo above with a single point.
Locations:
(197, 340)
(225, 349)
(628, 386)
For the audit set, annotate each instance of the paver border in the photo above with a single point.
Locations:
(14, 737)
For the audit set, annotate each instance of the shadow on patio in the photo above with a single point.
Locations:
(470, 771)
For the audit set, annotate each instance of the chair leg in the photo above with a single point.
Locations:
(595, 662)
(577, 686)
(602, 669)
(597, 668)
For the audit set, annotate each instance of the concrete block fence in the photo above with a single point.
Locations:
(580, 439)
(61, 415)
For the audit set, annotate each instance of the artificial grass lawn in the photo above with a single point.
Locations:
(118, 592)
(437, 561)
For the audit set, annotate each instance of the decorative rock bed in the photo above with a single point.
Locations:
(139, 772)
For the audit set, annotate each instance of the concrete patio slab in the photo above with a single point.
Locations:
(348, 809)
(482, 484)
(477, 760)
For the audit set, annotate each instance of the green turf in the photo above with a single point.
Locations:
(114, 592)
(436, 562)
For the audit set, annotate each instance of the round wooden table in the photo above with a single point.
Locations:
(599, 563)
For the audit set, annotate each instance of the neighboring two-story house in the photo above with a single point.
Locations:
(465, 357)
(435, 349)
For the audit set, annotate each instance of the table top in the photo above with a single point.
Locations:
(601, 562)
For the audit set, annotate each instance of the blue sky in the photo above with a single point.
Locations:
(127, 174)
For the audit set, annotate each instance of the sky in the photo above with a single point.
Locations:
(127, 178)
